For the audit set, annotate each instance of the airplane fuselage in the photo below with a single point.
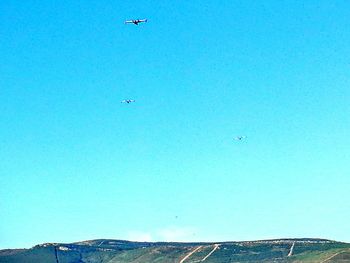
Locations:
(136, 21)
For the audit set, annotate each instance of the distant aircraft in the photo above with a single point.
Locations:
(127, 101)
(136, 21)
(239, 138)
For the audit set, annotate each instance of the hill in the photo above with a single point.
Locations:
(113, 251)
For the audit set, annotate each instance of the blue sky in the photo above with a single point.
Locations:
(77, 164)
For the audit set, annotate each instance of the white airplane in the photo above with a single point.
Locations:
(136, 21)
(127, 101)
(239, 138)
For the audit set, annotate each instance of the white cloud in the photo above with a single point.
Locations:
(176, 234)
(139, 236)
(167, 234)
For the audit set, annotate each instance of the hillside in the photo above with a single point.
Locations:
(113, 251)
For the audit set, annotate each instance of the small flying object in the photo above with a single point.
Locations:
(239, 138)
(127, 101)
(136, 21)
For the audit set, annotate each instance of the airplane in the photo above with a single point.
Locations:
(127, 101)
(239, 138)
(136, 21)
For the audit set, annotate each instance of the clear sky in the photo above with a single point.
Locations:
(77, 164)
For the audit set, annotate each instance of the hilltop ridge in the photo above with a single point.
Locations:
(113, 251)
